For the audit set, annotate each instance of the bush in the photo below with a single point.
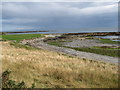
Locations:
(7, 83)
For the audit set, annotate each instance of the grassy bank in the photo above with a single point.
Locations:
(56, 43)
(20, 37)
(47, 69)
(108, 52)
(108, 41)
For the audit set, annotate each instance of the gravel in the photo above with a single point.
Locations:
(86, 43)
(38, 43)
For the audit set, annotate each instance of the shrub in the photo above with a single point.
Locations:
(7, 83)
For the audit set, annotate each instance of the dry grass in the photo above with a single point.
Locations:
(49, 69)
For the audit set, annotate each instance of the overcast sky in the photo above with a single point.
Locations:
(59, 15)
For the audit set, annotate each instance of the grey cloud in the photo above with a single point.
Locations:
(59, 15)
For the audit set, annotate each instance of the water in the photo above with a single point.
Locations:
(71, 30)
(51, 32)
(110, 37)
(113, 38)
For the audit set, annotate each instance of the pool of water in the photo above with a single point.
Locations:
(113, 38)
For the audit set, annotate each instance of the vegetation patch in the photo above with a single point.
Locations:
(17, 38)
(7, 83)
(108, 41)
(102, 51)
(20, 37)
(56, 43)
(108, 47)
(17, 45)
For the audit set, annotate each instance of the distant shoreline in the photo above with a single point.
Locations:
(96, 33)
(21, 32)
(79, 33)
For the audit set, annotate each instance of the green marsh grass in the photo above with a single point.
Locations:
(108, 52)
(108, 41)
(20, 37)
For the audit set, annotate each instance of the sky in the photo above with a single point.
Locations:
(18, 16)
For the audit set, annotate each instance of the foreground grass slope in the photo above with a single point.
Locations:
(49, 69)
